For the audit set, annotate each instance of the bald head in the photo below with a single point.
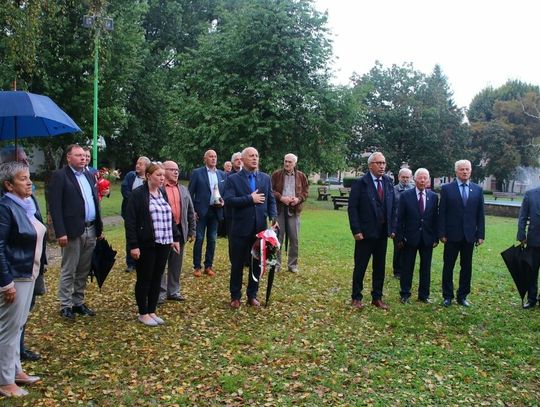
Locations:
(171, 171)
(250, 158)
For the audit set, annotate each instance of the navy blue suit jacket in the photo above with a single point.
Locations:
(413, 227)
(363, 207)
(199, 189)
(530, 212)
(248, 218)
(458, 222)
(66, 203)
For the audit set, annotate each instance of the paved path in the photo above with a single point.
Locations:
(53, 250)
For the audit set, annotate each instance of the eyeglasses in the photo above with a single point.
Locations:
(172, 169)
(379, 162)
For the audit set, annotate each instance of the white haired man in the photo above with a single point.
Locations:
(461, 226)
(417, 233)
(290, 188)
(404, 184)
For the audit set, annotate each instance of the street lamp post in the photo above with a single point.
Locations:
(99, 21)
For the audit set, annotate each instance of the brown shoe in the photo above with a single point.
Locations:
(253, 302)
(379, 304)
(209, 272)
(235, 304)
(197, 272)
(358, 304)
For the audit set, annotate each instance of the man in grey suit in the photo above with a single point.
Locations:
(404, 177)
(184, 216)
(529, 234)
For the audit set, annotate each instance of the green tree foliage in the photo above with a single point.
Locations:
(505, 127)
(410, 117)
(259, 77)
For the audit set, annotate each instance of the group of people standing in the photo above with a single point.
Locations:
(242, 198)
(416, 219)
(161, 216)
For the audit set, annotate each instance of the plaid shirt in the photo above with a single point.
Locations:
(161, 215)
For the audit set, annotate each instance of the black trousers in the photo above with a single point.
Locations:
(397, 259)
(451, 252)
(363, 251)
(532, 292)
(239, 251)
(409, 258)
(150, 268)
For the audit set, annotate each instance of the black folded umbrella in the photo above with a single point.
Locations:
(518, 260)
(103, 260)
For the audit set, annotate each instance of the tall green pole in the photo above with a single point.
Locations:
(96, 80)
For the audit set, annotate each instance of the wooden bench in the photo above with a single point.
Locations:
(340, 201)
(323, 194)
(510, 195)
(344, 191)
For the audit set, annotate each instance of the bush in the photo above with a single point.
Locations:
(348, 181)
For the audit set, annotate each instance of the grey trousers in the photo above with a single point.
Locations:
(76, 259)
(170, 282)
(292, 228)
(12, 319)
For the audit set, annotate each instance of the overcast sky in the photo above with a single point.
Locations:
(477, 42)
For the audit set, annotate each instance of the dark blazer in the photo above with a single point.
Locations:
(138, 223)
(530, 214)
(66, 203)
(17, 242)
(364, 207)
(199, 189)
(457, 222)
(413, 227)
(125, 189)
(248, 218)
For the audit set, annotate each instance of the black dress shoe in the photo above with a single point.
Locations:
(29, 355)
(83, 310)
(67, 313)
(177, 297)
(447, 302)
(463, 302)
(404, 300)
(529, 305)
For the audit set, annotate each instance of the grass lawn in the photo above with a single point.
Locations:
(307, 348)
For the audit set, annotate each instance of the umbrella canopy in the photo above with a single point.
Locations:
(103, 260)
(518, 260)
(24, 114)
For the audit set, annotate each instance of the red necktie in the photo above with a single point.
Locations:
(421, 203)
(380, 190)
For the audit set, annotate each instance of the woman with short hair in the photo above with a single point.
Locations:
(21, 248)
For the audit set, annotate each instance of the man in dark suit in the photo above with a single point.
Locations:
(529, 234)
(206, 186)
(461, 226)
(77, 223)
(372, 220)
(417, 233)
(249, 194)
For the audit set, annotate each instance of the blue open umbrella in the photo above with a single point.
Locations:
(24, 114)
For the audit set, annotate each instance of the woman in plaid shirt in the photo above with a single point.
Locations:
(150, 234)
